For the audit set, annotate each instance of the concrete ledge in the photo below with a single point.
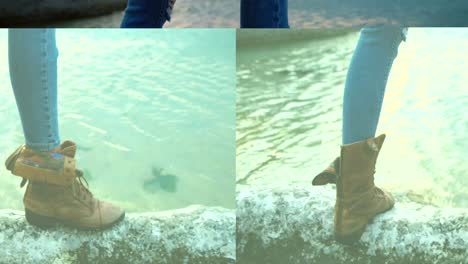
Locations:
(294, 224)
(13, 13)
(195, 234)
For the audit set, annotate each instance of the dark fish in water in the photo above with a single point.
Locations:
(161, 180)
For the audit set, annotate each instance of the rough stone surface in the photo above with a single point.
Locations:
(195, 234)
(294, 224)
(28, 11)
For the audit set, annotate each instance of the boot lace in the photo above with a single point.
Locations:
(83, 190)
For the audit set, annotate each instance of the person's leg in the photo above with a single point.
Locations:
(366, 80)
(358, 200)
(55, 192)
(33, 74)
(147, 13)
(264, 14)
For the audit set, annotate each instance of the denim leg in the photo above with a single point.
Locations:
(264, 14)
(146, 14)
(33, 73)
(366, 80)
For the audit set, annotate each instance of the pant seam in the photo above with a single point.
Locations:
(45, 93)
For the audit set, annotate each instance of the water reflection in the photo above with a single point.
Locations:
(289, 107)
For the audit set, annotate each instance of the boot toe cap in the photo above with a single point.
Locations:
(110, 214)
(389, 198)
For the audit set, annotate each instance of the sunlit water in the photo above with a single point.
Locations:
(289, 106)
(152, 113)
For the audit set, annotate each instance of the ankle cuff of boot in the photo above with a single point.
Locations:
(44, 147)
(47, 167)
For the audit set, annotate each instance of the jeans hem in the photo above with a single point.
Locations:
(43, 146)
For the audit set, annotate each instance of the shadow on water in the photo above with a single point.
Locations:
(161, 180)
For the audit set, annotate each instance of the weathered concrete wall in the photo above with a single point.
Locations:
(192, 235)
(28, 11)
(294, 224)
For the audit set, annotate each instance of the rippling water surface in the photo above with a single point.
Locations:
(289, 103)
(152, 113)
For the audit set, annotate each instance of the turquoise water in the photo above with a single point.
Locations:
(152, 113)
(289, 107)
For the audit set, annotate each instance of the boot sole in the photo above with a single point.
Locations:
(349, 239)
(356, 236)
(47, 222)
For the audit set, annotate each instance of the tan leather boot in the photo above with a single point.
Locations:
(358, 200)
(55, 191)
(329, 174)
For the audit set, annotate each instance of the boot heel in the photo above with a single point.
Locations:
(350, 238)
(40, 221)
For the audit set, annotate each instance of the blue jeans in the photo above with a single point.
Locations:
(32, 55)
(146, 14)
(366, 80)
(264, 14)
